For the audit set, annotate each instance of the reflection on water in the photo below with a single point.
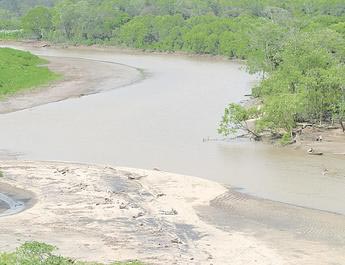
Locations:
(161, 121)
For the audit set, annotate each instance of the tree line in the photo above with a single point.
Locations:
(295, 46)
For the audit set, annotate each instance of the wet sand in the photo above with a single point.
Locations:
(301, 235)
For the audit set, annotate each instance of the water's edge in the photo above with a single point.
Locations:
(167, 116)
(15, 200)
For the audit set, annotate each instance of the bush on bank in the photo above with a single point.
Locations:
(35, 253)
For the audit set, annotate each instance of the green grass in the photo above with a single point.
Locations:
(35, 253)
(21, 70)
(11, 35)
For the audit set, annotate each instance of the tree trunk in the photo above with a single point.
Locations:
(321, 116)
(256, 136)
(342, 125)
(245, 126)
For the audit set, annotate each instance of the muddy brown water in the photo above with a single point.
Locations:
(160, 122)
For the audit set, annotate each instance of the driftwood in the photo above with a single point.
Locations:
(297, 131)
(325, 126)
(305, 125)
(332, 127)
(247, 127)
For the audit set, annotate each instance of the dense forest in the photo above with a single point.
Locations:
(295, 46)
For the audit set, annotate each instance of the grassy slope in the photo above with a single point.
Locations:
(22, 70)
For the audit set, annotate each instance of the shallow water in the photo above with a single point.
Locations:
(3, 207)
(10, 204)
(161, 121)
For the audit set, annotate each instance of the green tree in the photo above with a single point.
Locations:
(38, 21)
(265, 46)
(236, 118)
(280, 113)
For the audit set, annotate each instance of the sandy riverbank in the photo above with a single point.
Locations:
(94, 212)
(79, 78)
(103, 213)
(114, 49)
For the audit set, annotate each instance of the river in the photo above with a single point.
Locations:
(160, 122)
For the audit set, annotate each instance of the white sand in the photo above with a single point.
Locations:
(78, 209)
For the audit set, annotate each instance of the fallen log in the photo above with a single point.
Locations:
(304, 125)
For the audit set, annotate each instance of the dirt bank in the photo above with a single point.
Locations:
(307, 135)
(332, 143)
